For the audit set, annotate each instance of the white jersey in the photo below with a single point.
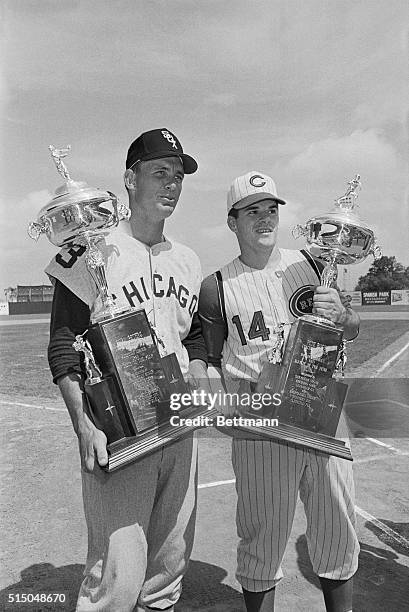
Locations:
(256, 301)
(163, 279)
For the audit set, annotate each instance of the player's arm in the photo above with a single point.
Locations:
(214, 330)
(196, 350)
(213, 325)
(70, 316)
(334, 305)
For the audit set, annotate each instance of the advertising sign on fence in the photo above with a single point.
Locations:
(399, 297)
(356, 298)
(4, 308)
(371, 298)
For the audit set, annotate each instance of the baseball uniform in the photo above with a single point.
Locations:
(140, 519)
(239, 315)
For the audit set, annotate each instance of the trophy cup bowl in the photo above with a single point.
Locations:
(342, 236)
(303, 374)
(128, 384)
(76, 209)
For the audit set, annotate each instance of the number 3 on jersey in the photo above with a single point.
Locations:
(258, 328)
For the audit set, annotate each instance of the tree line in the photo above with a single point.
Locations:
(385, 273)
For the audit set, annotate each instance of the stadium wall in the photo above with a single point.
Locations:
(21, 308)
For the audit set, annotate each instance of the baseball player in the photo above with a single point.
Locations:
(242, 308)
(140, 519)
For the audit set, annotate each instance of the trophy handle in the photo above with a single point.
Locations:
(376, 251)
(122, 211)
(35, 229)
(299, 230)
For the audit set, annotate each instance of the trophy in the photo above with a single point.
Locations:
(128, 384)
(303, 374)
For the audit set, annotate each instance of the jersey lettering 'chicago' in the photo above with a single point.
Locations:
(256, 301)
(164, 280)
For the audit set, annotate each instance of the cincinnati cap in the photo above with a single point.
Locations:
(249, 188)
(156, 144)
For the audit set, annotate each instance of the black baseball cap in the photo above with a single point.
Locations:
(156, 144)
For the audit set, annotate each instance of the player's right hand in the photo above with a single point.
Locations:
(93, 445)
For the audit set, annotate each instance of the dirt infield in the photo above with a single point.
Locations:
(44, 537)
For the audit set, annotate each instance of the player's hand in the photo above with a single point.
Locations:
(197, 377)
(93, 445)
(244, 393)
(327, 303)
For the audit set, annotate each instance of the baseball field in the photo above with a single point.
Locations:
(43, 528)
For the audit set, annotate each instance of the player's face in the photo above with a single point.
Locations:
(158, 184)
(256, 226)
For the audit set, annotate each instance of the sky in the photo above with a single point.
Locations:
(310, 93)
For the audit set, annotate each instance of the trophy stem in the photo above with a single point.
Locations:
(330, 273)
(96, 267)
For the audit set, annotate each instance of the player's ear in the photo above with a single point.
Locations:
(231, 222)
(130, 179)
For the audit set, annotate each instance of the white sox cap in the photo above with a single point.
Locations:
(249, 188)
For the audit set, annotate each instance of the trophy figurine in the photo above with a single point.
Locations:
(303, 372)
(128, 384)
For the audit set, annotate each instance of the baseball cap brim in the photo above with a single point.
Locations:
(189, 164)
(256, 197)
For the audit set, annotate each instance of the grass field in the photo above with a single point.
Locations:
(374, 336)
(24, 347)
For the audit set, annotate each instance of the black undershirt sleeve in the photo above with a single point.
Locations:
(70, 316)
(194, 342)
(214, 327)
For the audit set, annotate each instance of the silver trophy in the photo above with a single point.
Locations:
(339, 236)
(80, 215)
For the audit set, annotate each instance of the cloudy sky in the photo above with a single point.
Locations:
(308, 92)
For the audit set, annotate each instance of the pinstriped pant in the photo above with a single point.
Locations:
(269, 476)
(140, 530)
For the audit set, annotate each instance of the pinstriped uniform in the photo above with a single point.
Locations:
(269, 474)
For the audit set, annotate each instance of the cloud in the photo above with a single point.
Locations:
(366, 150)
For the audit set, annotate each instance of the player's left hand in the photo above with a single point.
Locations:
(327, 303)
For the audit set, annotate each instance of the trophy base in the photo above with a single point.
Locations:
(296, 437)
(127, 450)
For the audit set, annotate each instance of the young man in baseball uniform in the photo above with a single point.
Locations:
(140, 519)
(241, 307)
